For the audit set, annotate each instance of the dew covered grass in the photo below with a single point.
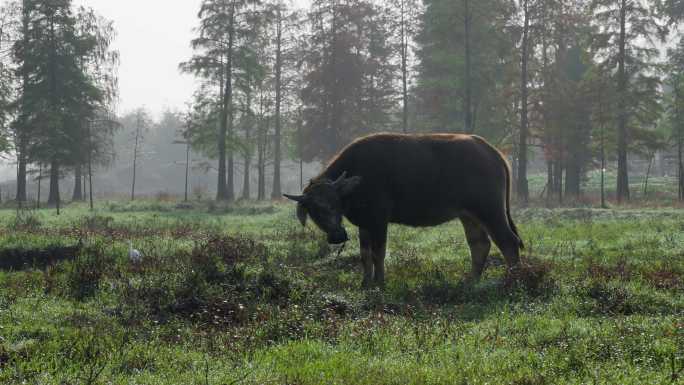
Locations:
(243, 295)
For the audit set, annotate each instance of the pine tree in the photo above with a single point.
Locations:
(221, 33)
(348, 87)
(625, 26)
(449, 98)
(59, 88)
(676, 108)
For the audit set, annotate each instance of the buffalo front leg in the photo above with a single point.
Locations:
(479, 244)
(366, 257)
(379, 248)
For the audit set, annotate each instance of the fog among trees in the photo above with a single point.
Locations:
(565, 89)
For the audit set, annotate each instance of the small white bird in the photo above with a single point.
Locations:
(133, 254)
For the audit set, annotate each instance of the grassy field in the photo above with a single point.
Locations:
(243, 295)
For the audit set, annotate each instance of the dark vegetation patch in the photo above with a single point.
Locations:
(612, 298)
(532, 277)
(621, 270)
(667, 279)
(14, 259)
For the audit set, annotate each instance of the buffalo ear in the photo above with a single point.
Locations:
(302, 214)
(348, 185)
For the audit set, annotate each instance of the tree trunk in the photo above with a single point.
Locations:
(573, 176)
(78, 194)
(404, 69)
(680, 141)
(21, 176)
(228, 105)
(53, 196)
(135, 155)
(558, 171)
(549, 181)
(648, 174)
(523, 192)
(622, 177)
(603, 168)
(40, 178)
(277, 189)
(246, 193)
(21, 134)
(221, 190)
(187, 170)
(300, 146)
(467, 101)
(261, 153)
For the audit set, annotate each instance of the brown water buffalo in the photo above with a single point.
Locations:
(415, 180)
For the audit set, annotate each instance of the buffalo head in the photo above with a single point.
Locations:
(322, 201)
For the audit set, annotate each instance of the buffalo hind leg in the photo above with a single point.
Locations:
(503, 236)
(479, 244)
(365, 242)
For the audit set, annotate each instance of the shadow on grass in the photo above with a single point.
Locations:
(18, 259)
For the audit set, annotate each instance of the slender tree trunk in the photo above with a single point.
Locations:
(277, 188)
(53, 196)
(21, 176)
(680, 140)
(187, 169)
(90, 169)
(603, 168)
(40, 178)
(261, 149)
(78, 194)
(648, 173)
(300, 147)
(467, 105)
(680, 161)
(622, 177)
(221, 190)
(230, 182)
(261, 166)
(404, 69)
(22, 127)
(523, 192)
(246, 192)
(549, 180)
(560, 166)
(135, 155)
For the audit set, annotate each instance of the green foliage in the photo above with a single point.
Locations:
(441, 79)
(252, 298)
(349, 87)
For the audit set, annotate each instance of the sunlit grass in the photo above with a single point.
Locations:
(246, 295)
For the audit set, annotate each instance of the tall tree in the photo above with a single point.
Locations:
(522, 188)
(57, 59)
(348, 87)
(221, 32)
(101, 63)
(676, 108)
(279, 22)
(141, 126)
(443, 85)
(626, 44)
(405, 16)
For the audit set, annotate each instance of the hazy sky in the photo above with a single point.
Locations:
(153, 37)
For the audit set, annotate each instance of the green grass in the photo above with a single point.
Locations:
(243, 295)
